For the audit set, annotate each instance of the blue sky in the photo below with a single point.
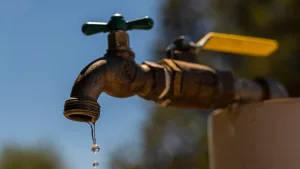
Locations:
(42, 51)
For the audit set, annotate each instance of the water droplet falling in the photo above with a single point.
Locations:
(95, 148)
(93, 131)
(95, 164)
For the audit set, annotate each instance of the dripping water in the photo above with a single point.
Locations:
(95, 148)
(95, 164)
(93, 131)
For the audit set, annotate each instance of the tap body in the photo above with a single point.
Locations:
(168, 82)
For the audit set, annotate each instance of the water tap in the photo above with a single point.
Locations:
(169, 82)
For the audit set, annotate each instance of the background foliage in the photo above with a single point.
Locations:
(175, 138)
(41, 156)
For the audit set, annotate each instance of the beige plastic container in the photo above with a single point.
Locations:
(256, 136)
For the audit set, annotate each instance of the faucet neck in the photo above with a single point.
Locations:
(118, 45)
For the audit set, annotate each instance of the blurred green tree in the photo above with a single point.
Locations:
(172, 139)
(17, 157)
(277, 19)
(175, 138)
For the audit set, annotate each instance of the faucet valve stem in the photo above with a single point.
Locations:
(117, 64)
(118, 39)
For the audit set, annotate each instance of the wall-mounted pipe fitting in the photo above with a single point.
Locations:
(169, 82)
(197, 86)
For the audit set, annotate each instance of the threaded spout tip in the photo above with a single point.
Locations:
(82, 110)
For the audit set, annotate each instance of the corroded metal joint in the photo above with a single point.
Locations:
(271, 88)
(159, 73)
(197, 86)
(81, 110)
(259, 89)
(226, 90)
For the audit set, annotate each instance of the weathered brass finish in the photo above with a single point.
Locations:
(198, 86)
(169, 82)
(192, 85)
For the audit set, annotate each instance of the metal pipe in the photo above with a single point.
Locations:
(186, 85)
(247, 91)
(117, 76)
(169, 83)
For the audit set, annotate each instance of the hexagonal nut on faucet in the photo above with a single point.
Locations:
(118, 42)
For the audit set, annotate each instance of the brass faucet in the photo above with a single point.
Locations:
(169, 82)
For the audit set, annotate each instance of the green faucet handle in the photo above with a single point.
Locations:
(116, 23)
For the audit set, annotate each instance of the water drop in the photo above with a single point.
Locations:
(95, 164)
(95, 148)
(93, 131)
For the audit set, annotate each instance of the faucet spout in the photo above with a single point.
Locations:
(82, 105)
(169, 83)
(115, 75)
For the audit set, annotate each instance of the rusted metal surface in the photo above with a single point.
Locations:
(118, 75)
(118, 45)
(247, 91)
(169, 83)
(198, 86)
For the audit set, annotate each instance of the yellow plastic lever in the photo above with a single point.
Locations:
(238, 44)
